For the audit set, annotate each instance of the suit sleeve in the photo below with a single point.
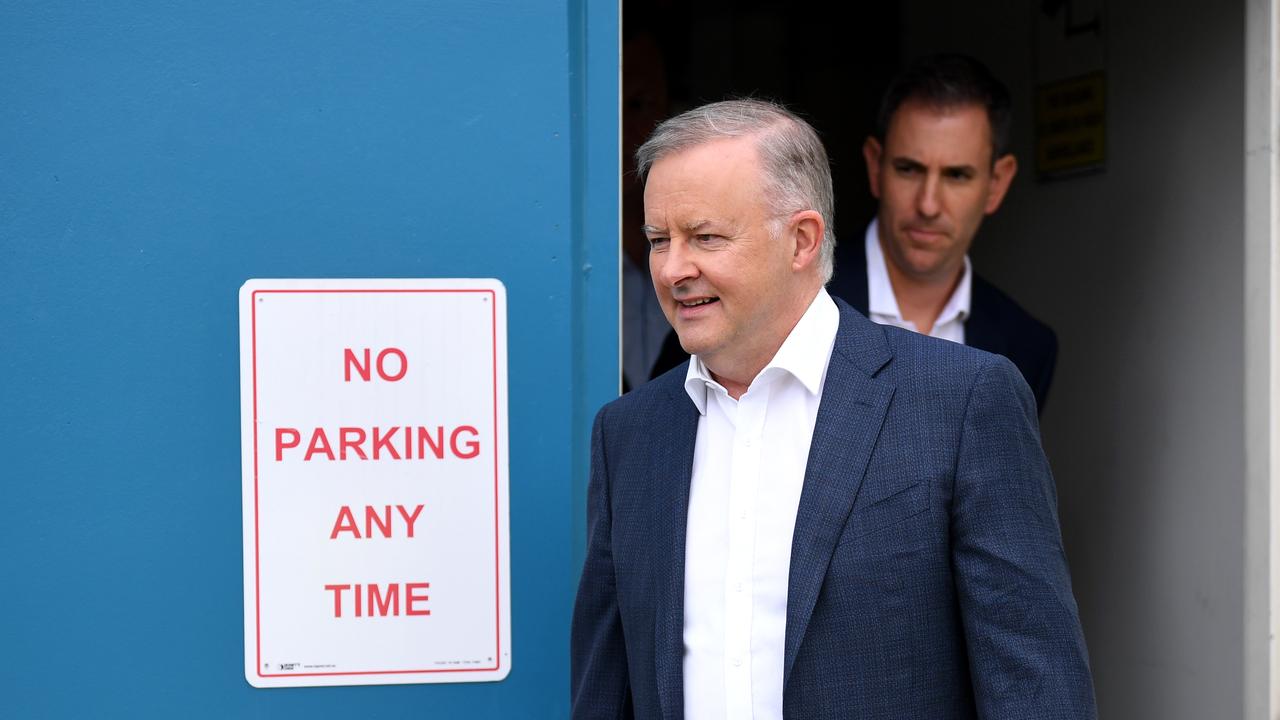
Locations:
(1027, 654)
(598, 656)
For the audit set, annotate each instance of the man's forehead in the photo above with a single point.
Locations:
(959, 131)
(715, 183)
(697, 208)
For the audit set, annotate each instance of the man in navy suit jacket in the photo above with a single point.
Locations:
(867, 531)
(939, 163)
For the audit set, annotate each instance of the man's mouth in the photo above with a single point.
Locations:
(928, 234)
(698, 301)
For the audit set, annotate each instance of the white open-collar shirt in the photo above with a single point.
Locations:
(882, 304)
(748, 471)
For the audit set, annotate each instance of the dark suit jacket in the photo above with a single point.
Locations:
(927, 573)
(996, 323)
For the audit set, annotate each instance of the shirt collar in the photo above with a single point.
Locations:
(880, 297)
(804, 354)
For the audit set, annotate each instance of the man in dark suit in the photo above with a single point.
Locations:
(938, 164)
(816, 516)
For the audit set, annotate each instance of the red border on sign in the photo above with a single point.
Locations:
(497, 560)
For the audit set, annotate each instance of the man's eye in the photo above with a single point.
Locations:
(708, 239)
(907, 169)
(658, 243)
(958, 175)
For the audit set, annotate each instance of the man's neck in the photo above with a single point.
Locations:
(735, 375)
(921, 300)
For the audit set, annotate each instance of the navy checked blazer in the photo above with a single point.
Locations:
(927, 578)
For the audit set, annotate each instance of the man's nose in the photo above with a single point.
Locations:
(928, 199)
(675, 265)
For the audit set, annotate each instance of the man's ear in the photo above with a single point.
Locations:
(1002, 174)
(807, 228)
(872, 152)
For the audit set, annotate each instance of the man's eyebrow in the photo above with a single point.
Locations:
(694, 226)
(910, 162)
(691, 227)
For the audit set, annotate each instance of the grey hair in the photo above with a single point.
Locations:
(797, 173)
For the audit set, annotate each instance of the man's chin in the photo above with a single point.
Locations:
(923, 265)
(692, 342)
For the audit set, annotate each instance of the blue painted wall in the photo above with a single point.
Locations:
(153, 156)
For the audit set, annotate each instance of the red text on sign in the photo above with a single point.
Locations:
(373, 517)
(398, 442)
(351, 361)
(374, 600)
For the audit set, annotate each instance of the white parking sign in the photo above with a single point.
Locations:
(374, 447)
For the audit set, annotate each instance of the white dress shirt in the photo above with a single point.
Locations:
(883, 304)
(748, 471)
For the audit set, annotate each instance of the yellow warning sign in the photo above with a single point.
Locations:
(1071, 125)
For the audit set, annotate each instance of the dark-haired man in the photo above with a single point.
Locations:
(939, 163)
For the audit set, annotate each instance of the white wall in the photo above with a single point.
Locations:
(1140, 269)
(1262, 362)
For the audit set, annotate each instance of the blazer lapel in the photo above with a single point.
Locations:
(980, 329)
(675, 432)
(850, 282)
(852, 410)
